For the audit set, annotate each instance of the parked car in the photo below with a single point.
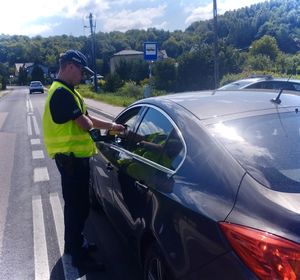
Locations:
(264, 82)
(91, 79)
(36, 86)
(206, 186)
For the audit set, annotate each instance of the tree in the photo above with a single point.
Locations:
(259, 62)
(22, 79)
(135, 70)
(3, 75)
(266, 46)
(37, 74)
(165, 74)
(172, 47)
(195, 69)
(112, 83)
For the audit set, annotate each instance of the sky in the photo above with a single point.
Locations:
(71, 17)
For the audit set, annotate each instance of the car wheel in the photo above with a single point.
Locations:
(155, 267)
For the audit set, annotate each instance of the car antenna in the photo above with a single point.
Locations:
(277, 99)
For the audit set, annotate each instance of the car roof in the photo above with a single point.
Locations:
(249, 81)
(213, 105)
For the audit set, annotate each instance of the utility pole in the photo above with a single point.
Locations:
(216, 60)
(93, 27)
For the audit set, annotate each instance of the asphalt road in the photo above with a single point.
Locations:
(31, 205)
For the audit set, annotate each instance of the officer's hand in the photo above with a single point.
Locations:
(118, 127)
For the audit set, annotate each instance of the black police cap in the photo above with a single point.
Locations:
(76, 57)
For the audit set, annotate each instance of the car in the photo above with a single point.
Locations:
(205, 185)
(36, 86)
(264, 82)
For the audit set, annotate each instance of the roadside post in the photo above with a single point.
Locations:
(150, 55)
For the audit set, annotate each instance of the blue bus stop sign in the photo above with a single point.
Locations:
(150, 50)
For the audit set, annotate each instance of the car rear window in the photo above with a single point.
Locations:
(267, 146)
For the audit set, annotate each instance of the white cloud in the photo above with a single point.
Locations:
(128, 19)
(32, 17)
(206, 11)
(37, 29)
(19, 17)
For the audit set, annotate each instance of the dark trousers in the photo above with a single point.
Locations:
(75, 188)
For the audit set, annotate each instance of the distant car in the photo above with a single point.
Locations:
(91, 79)
(36, 86)
(266, 82)
(206, 186)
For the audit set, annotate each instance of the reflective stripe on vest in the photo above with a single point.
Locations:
(67, 137)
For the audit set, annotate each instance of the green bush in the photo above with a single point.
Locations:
(131, 89)
(112, 83)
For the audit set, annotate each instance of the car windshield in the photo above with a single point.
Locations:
(267, 146)
(35, 84)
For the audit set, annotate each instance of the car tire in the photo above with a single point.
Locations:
(155, 267)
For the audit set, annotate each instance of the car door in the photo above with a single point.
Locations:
(103, 169)
(137, 166)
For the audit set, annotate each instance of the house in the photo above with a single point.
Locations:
(161, 55)
(127, 55)
(29, 66)
(19, 65)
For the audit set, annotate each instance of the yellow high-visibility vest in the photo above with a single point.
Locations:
(68, 137)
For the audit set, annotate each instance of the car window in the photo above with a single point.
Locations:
(272, 85)
(267, 146)
(129, 119)
(156, 140)
(282, 85)
(35, 84)
(263, 84)
(296, 86)
(173, 152)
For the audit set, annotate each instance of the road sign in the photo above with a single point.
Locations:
(150, 50)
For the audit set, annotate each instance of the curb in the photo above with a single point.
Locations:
(100, 112)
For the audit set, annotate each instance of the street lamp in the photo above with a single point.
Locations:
(216, 63)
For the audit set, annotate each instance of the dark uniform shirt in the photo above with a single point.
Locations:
(63, 106)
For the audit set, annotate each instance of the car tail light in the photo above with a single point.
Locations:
(267, 255)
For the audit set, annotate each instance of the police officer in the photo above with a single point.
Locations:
(66, 125)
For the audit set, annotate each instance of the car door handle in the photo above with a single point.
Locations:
(140, 185)
(109, 167)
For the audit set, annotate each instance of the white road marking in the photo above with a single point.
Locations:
(3, 116)
(35, 141)
(40, 174)
(38, 154)
(27, 105)
(30, 105)
(39, 237)
(36, 127)
(70, 272)
(29, 128)
(7, 152)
